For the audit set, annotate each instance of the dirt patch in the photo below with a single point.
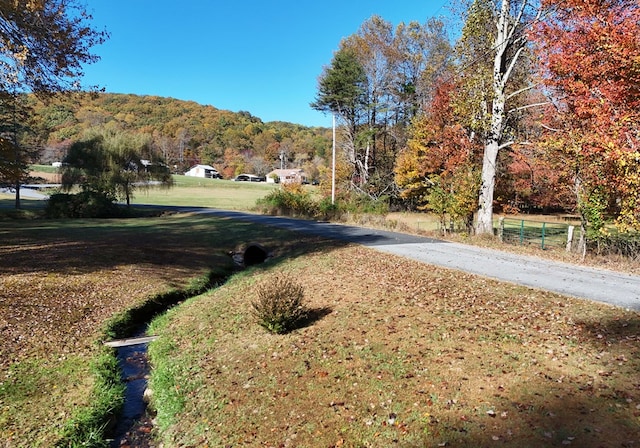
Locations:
(53, 178)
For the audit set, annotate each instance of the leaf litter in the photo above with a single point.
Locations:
(457, 360)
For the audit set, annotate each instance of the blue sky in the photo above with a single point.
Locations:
(263, 57)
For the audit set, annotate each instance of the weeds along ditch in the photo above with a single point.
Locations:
(120, 373)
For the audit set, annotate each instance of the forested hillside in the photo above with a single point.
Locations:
(183, 132)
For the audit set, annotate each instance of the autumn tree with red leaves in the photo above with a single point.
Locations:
(590, 56)
(438, 170)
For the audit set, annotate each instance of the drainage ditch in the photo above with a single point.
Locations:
(135, 421)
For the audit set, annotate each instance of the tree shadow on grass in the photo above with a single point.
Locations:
(606, 331)
(187, 244)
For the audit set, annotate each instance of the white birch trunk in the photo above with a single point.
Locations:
(502, 69)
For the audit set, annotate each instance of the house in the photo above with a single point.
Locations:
(206, 171)
(290, 176)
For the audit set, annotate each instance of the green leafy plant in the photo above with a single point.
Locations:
(279, 306)
(291, 199)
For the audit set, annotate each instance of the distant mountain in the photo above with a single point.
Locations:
(184, 132)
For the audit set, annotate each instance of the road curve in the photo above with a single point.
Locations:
(615, 288)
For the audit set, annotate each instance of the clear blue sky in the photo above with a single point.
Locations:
(263, 57)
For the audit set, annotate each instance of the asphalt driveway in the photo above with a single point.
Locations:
(618, 289)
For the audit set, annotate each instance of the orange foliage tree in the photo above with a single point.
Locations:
(438, 169)
(590, 59)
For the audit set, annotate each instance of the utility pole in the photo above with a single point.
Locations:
(333, 163)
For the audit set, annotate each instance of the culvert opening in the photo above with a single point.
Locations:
(250, 254)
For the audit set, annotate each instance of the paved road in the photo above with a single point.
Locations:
(27, 193)
(615, 288)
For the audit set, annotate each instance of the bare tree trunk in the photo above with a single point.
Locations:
(484, 218)
(503, 65)
(17, 187)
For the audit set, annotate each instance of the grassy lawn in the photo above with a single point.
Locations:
(61, 282)
(401, 354)
(217, 193)
(192, 191)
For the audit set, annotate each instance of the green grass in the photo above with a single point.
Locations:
(45, 169)
(195, 191)
(88, 424)
(72, 283)
(217, 193)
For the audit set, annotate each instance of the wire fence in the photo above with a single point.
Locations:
(542, 234)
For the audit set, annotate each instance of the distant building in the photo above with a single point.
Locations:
(205, 171)
(290, 176)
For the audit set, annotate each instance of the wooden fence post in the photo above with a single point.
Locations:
(570, 230)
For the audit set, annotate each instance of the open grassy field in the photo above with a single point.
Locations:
(192, 191)
(217, 193)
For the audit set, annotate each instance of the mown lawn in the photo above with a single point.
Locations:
(186, 190)
(61, 282)
(401, 354)
(217, 193)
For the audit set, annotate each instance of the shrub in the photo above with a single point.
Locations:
(623, 244)
(327, 210)
(360, 203)
(279, 307)
(86, 204)
(291, 200)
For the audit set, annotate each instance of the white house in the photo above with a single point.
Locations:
(206, 171)
(290, 176)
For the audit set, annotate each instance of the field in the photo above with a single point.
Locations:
(399, 354)
(193, 191)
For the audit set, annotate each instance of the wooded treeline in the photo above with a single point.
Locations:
(534, 107)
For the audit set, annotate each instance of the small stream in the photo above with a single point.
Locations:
(134, 425)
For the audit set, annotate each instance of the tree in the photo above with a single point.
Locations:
(341, 88)
(396, 72)
(589, 51)
(113, 164)
(511, 18)
(17, 141)
(438, 170)
(43, 45)
(424, 56)
(341, 91)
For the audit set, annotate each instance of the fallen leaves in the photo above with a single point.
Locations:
(453, 358)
